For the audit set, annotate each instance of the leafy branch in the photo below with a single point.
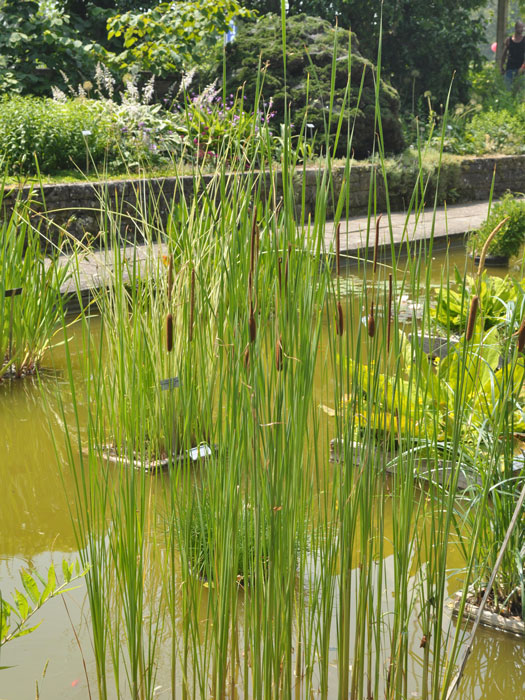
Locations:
(15, 616)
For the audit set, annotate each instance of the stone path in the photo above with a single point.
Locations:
(450, 224)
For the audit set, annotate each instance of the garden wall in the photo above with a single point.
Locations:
(77, 207)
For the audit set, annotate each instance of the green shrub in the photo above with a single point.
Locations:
(488, 88)
(310, 68)
(217, 127)
(510, 237)
(496, 131)
(50, 132)
(493, 121)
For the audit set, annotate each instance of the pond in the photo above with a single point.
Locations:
(36, 528)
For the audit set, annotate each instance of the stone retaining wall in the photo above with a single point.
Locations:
(77, 207)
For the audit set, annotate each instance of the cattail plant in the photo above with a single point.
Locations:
(371, 323)
(520, 334)
(252, 326)
(389, 317)
(376, 243)
(29, 292)
(473, 312)
(192, 304)
(339, 319)
(341, 561)
(279, 354)
(169, 332)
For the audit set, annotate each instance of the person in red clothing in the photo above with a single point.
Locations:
(514, 54)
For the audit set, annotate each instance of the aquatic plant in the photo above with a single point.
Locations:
(467, 382)
(502, 299)
(29, 290)
(348, 568)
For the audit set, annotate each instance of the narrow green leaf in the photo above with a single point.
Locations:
(22, 605)
(50, 586)
(30, 586)
(66, 571)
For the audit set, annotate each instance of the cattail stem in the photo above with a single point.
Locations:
(474, 305)
(254, 244)
(252, 326)
(338, 250)
(487, 244)
(521, 336)
(169, 332)
(376, 242)
(170, 277)
(287, 265)
(371, 322)
(192, 304)
(389, 320)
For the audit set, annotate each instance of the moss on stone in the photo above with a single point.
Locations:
(309, 62)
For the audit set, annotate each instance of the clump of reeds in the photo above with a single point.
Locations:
(29, 293)
(344, 556)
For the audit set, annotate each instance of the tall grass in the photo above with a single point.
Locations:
(265, 571)
(29, 289)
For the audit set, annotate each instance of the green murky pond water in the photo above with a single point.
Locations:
(36, 529)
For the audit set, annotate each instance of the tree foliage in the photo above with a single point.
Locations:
(169, 35)
(424, 43)
(32, 37)
(71, 36)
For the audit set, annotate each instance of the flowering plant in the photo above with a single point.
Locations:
(218, 126)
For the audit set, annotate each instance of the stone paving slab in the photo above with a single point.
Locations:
(450, 224)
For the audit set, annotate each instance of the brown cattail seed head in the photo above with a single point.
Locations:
(521, 336)
(339, 319)
(279, 354)
(371, 322)
(252, 327)
(169, 332)
(474, 305)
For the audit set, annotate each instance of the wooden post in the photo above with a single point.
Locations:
(501, 29)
